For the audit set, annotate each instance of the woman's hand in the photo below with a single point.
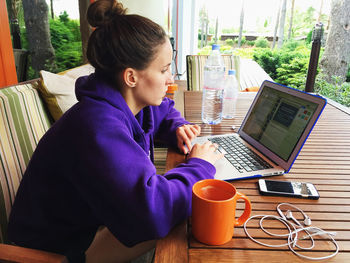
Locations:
(185, 134)
(206, 151)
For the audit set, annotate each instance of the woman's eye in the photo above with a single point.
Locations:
(166, 69)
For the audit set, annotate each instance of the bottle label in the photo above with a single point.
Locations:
(212, 88)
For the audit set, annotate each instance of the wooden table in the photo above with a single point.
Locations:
(323, 161)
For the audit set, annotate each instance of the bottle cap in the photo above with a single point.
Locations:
(232, 72)
(172, 88)
(215, 47)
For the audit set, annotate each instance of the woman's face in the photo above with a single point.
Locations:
(152, 82)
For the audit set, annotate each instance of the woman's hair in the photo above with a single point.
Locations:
(119, 40)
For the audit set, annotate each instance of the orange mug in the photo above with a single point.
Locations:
(213, 211)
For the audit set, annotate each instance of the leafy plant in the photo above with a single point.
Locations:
(262, 42)
(339, 92)
(268, 59)
(292, 45)
(244, 52)
(225, 49)
(65, 39)
(294, 73)
(250, 43)
(243, 40)
(287, 65)
(205, 50)
(229, 42)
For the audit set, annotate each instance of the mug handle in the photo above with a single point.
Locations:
(248, 209)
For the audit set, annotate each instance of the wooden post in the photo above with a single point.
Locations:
(315, 53)
(8, 74)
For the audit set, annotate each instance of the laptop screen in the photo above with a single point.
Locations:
(280, 118)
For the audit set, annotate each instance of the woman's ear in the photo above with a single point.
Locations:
(129, 77)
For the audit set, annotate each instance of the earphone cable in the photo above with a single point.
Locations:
(293, 231)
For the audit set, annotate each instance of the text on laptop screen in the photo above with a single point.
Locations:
(278, 120)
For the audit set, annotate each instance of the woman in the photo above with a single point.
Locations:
(91, 188)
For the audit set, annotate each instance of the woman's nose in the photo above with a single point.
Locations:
(171, 79)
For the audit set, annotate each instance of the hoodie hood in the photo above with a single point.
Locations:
(95, 88)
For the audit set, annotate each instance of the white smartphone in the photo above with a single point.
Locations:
(290, 189)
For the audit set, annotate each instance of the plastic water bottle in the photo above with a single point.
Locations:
(213, 88)
(230, 95)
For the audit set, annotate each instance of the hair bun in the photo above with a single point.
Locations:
(102, 12)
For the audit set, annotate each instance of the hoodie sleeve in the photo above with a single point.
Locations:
(121, 186)
(167, 120)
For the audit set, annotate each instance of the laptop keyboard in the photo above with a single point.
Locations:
(239, 155)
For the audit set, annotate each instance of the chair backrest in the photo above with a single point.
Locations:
(23, 121)
(250, 75)
(195, 67)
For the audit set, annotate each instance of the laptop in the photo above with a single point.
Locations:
(271, 136)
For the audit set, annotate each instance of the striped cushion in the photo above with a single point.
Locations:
(195, 67)
(249, 74)
(23, 121)
(160, 155)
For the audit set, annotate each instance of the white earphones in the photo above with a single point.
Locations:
(293, 229)
(289, 215)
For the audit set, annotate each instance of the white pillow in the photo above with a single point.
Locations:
(58, 90)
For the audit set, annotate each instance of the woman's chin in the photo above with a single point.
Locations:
(158, 102)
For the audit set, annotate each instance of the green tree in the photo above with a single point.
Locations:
(291, 20)
(38, 35)
(281, 24)
(85, 29)
(14, 7)
(241, 22)
(303, 22)
(204, 22)
(276, 26)
(336, 57)
(65, 37)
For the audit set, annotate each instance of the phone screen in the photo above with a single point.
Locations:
(288, 187)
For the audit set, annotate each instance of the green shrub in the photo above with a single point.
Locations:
(294, 73)
(65, 39)
(68, 56)
(287, 65)
(225, 49)
(309, 37)
(244, 52)
(229, 42)
(250, 43)
(205, 50)
(24, 41)
(200, 36)
(211, 42)
(339, 92)
(292, 44)
(243, 40)
(268, 59)
(60, 34)
(262, 42)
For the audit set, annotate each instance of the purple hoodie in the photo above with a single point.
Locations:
(93, 167)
